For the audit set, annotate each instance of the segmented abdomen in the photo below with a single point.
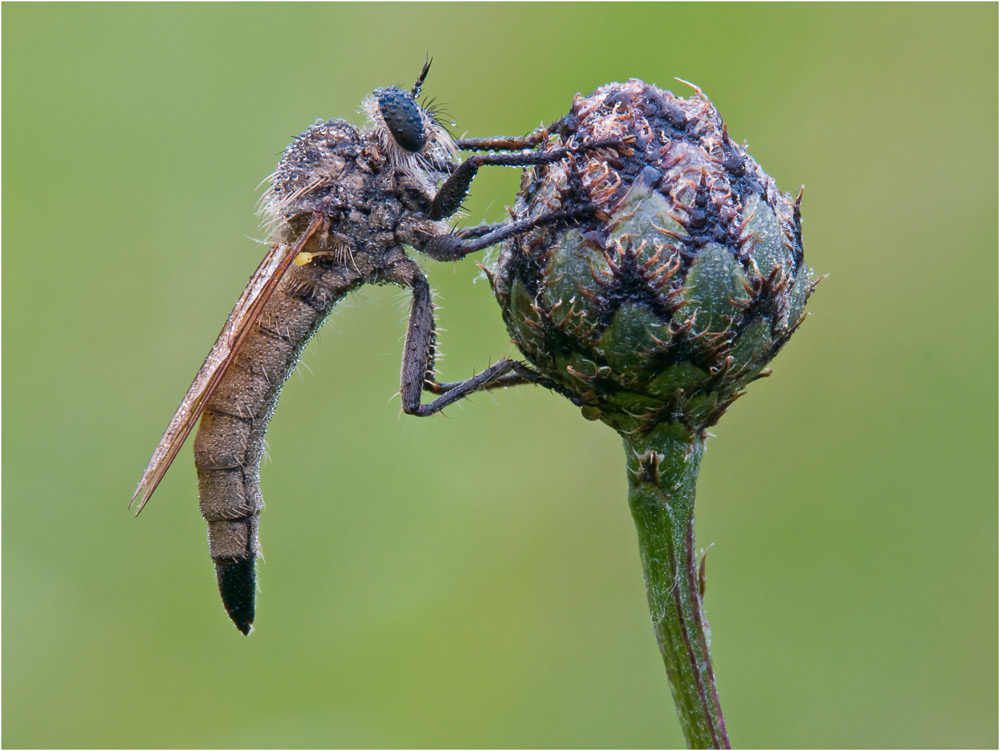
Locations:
(230, 439)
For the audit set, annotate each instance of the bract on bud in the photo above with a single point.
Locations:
(681, 285)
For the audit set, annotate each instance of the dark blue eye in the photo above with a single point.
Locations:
(402, 117)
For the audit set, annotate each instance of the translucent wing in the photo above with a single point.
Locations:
(241, 321)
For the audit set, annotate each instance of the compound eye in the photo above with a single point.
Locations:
(402, 117)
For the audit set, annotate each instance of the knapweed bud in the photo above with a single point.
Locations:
(679, 287)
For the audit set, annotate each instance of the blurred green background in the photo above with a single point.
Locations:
(473, 579)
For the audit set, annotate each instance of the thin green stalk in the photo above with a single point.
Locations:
(662, 471)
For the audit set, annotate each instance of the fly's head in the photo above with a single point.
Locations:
(411, 139)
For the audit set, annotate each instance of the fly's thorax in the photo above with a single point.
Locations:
(682, 284)
(318, 169)
(344, 175)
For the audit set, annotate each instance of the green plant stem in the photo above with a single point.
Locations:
(662, 472)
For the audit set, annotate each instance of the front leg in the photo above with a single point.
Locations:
(453, 191)
(503, 143)
(453, 246)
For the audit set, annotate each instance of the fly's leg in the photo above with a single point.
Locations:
(453, 191)
(520, 374)
(503, 143)
(417, 372)
(457, 245)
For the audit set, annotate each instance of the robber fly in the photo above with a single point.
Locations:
(342, 204)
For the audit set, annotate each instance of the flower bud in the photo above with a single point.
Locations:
(674, 292)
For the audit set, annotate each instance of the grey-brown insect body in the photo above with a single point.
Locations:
(371, 201)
